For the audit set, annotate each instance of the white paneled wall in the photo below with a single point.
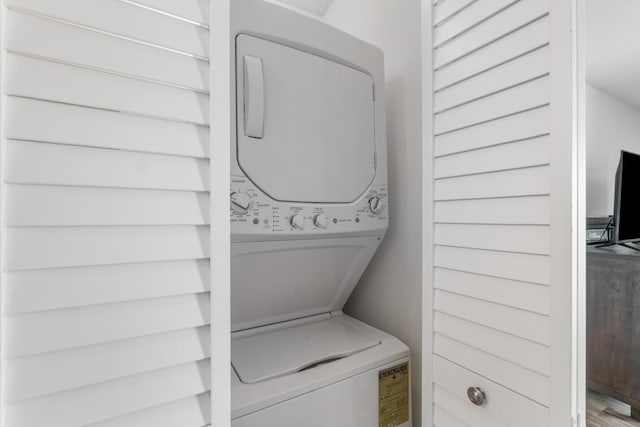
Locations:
(498, 196)
(106, 273)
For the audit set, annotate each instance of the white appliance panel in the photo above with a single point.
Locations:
(285, 351)
(285, 280)
(305, 124)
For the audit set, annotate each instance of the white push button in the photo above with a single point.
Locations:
(297, 221)
(320, 221)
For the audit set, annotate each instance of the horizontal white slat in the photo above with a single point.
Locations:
(520, 182)
(517, 210)
(524, 324)
(50, 289)
(505, 405)
(193, 411)
(30, 119)
(522, 267)
(56, 164)
(520, 98)
(531, 384)
(57, 371)
(41, 79)
(54, 247)
(523, 295)
(463, 409)
(79, 407)
(516, 127)
(532, 36)
(42, 332)
(47, 205)
(524, 68)
(467, 19)
(118, 17)
(513, 155)
(442, 418)
(533, 239)
(446, 9)
(525, 353)
(37, 36)
(490, 30)
(194, 10)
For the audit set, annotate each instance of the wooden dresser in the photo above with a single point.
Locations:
(613, 324)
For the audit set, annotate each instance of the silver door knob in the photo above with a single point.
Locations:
(476, 395)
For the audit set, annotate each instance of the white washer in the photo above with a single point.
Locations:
(309, 209)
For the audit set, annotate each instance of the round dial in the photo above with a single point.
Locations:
(375, 205)
(297, 221)
(321, 221)
(241, 203)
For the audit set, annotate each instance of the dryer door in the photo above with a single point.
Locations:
(305, 124)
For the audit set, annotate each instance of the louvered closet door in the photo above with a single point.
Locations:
(106, 207)
(502, 211)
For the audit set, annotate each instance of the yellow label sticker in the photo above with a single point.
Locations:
(393, 396)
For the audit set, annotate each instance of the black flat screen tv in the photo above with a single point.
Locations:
(626, 210)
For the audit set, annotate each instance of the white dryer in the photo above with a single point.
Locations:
(309, 209)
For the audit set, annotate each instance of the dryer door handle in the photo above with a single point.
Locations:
(253, 97)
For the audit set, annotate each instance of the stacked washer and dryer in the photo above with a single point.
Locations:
(309, 209)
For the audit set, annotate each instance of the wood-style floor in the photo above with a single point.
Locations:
(603, 411)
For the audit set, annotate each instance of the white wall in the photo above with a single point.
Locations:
(612, 125)
(389, 294)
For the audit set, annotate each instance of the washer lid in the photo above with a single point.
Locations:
(305, 124)
(286, 351)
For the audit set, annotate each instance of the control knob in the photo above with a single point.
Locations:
(297, 221)
(320, 221)
(375, 205)
(241, 203)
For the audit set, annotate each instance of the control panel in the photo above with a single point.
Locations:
(254, 213)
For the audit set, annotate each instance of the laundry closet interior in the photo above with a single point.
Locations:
(291, 212)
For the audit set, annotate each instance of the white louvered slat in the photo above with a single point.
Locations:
(57, 371)
(194, 10)
(442, 418)
(468, 18)
(77, 327)
(516, 210)
(106, 179)
(51, 289)
(504, 405)
(514, 155)
(520, 323)
(465, 411)
(36, 78)
(79, 407)
(527, 296)
(532, 239)
(38, 163)
(194, 411)
(33, 35)
(35, 120)
(531, 384)
(520, 98)
(446, 9)
(512, 183)
(522, 352)
(54, 247)
(528, 67)
(511, 46)
(516, 127)
(37, 205)
(123, 19)
(521, 267)
(490, 30)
